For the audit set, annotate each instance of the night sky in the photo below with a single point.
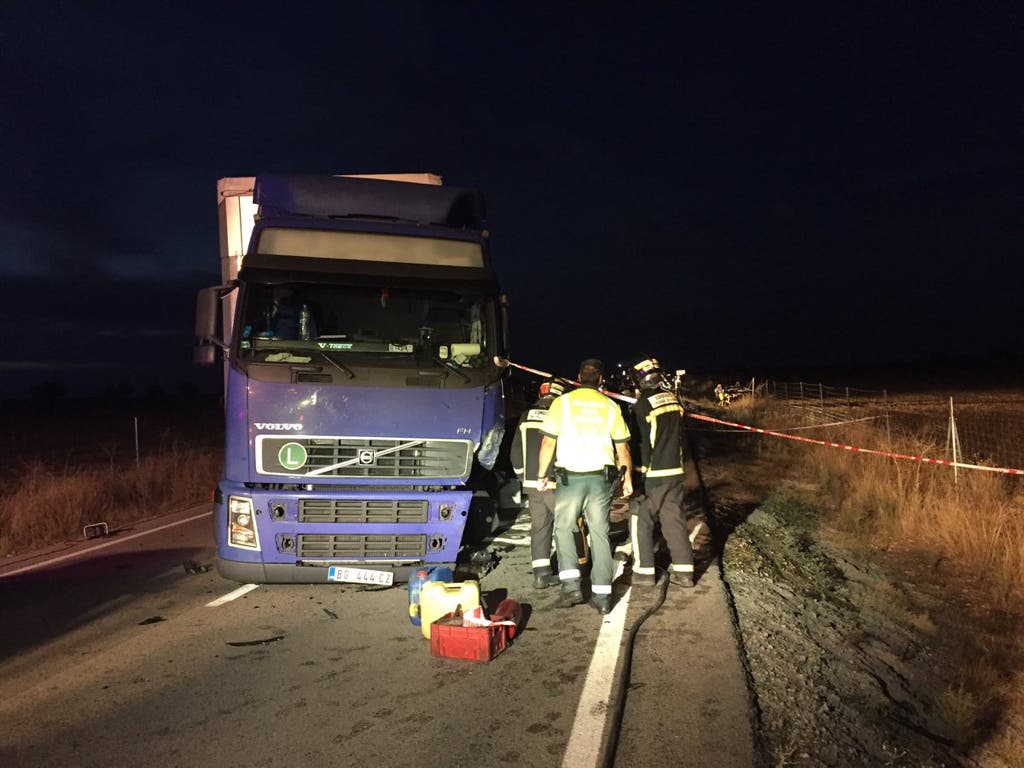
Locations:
(724, 188)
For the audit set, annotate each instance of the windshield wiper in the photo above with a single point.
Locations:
(419, 349)
(302, 351)
(340, 366)
(450, 366)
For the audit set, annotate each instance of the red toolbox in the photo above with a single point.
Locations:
(450, 640)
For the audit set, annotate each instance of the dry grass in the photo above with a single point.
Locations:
(53, 505)
(973, 525)
(966, 537)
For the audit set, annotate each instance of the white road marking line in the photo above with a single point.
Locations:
(503, 540)
(591, 713)
(104, 545)
(242, 590)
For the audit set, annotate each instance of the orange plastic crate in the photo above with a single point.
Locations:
(450, 641)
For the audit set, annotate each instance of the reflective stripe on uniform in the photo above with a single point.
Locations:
(664, 472)
(544, 562)
(569, 573)
(535, 484)
(601, 589)
(643, 570)
(695, 532)
(682, 568)
(652, 417)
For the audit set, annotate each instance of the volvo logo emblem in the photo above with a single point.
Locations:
(366, 456)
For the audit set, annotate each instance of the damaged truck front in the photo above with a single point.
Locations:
(363, 332)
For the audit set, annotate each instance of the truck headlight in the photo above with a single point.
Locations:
(242, 524)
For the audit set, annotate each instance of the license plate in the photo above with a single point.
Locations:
(360, 576)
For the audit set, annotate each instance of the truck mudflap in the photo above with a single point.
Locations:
(290, 573)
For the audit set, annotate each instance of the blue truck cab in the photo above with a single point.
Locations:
(363, 333)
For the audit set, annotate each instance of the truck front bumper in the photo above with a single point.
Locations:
(301, 533)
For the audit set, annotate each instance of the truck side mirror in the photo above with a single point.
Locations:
(204, 354)
(208, 311)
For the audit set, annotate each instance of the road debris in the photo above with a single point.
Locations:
(95, 531)
(264, 641)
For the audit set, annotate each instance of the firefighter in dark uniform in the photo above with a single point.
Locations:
(525, 457)
(586, 435)
(659, 420)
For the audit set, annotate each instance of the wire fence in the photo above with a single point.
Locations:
(70, 434)
(974, 427)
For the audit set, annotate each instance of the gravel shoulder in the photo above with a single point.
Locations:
(841, 654)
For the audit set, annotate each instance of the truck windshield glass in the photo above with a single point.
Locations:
(375, 326)
(369, 246)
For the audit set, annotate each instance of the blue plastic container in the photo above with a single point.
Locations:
(420, 577)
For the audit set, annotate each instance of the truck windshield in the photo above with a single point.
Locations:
(373, 326)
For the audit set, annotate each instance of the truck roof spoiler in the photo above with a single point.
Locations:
(354, 197)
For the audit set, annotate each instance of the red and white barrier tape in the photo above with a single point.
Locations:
(855, 449)
(798, 438)
(812, 426)
(546, 375)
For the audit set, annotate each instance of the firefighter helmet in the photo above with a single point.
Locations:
(647, 374)
(552, 387)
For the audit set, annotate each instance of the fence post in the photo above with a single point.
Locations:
(849, 408)
(821, 399)
(136, 442)
(801, 391)
(954, 442)
(888, 427)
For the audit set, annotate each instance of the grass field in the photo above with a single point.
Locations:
(961, 534)
(71, 463)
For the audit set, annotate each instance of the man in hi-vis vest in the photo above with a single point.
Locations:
(586, 435)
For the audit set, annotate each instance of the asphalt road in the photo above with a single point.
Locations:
(116, 657)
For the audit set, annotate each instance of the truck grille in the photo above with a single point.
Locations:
(362, 457)
(362, 511)
(373, 547)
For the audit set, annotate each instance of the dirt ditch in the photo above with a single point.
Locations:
(841, 655)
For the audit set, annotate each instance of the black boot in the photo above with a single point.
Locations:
(571, 593)
(601, 603)
(681, 578)
(544, 578)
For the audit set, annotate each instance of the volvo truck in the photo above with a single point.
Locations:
(363, 334)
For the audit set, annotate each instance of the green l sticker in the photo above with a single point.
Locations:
(292, 455)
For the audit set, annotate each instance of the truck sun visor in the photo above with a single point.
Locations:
(298, 195)
(369, 246)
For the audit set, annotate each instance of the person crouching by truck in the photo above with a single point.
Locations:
(659, 420)
(525, 456)
(585, 434)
